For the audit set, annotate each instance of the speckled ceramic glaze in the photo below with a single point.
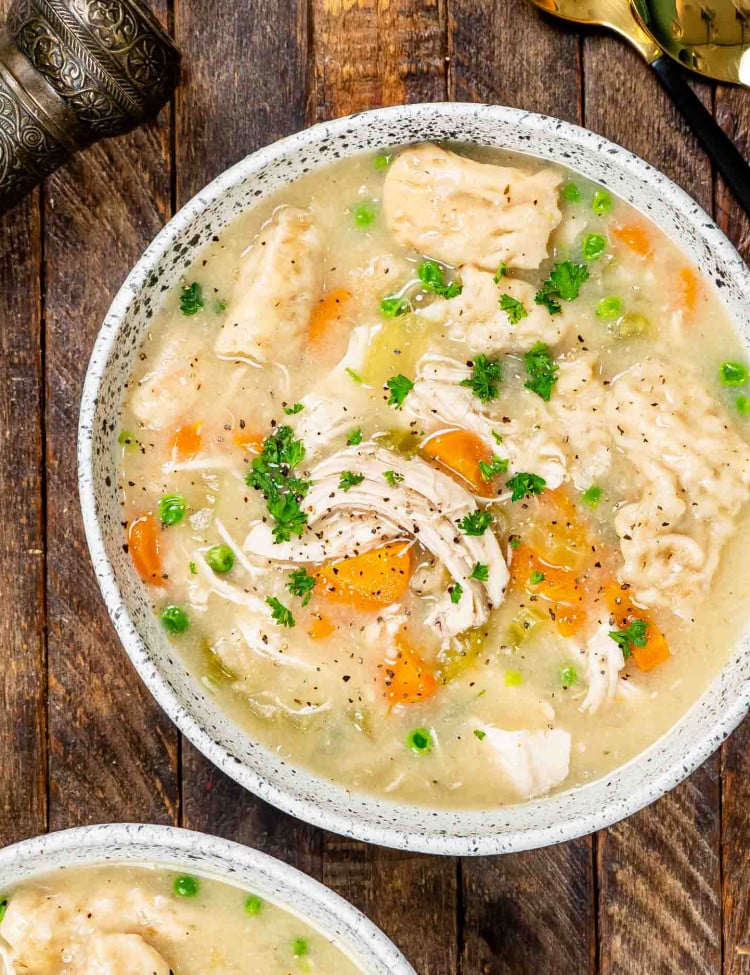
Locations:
(531, 824)
(218, 859)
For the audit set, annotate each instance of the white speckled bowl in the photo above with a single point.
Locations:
(528, 825)
(218, 859)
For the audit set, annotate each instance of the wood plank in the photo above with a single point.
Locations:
(533, 912)
(23, 720)
(243, 87)
(366, 54)
(658, 872)
(733, 112)
(113, 753)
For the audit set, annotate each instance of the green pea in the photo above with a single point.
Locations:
(568, 676)
(186, 886)
(592, 496)
(172, 508)
(594, 245)
(609, 307)
(174, 619)
(742, 405)
(420, 741)
(253, 905)
(300, 947)
(365, 214)
(3, 907)
(602, 203)
(382, 160)
(571, 193)
(513, 678)
(395, 307)
(733, 374)
(220, 558)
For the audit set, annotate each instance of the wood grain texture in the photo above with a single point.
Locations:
(658, 872)
(733, 113)
(112, 751)
(23, 725)
(532, 912)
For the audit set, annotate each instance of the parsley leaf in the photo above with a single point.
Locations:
(301, 584)
(290, 519)
(536, 577)
(270, 473)
(349, 480)
(431, 275)
(542, 371)
(399, 387)
(291, 410)
(393, 477)
(394, 307)
(456, 592)
(498, 465)
(523, 485)
(354, 437)
(475, 523)
(633, 636)
(478, 733)
(480, 572)
(513, 308)
(485, 376)
(563, 284)
(191, 299)
(502, 270)
(279, 612)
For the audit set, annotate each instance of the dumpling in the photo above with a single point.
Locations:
(463, 212)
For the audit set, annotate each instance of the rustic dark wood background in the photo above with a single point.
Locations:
(81, 740)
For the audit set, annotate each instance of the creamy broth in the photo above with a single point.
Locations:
(436, 346)
(153, 921)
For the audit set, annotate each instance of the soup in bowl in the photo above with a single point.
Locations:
(429, 465)
(153, 900)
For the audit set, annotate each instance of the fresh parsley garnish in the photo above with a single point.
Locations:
(394, 307)
(563, 284)
(478, 733)
(291, 410)
(486, 374)
(513, 308)
(502, 270)
(271, 473)
(475, 523)
(354, 437)
(523, 485)
(431, 275)
(480, 572)
(399, 388)
(514, 541)
(191, 299)
(536, 577)
(633, 636)
(301, 584)
(497, 437)
(542, 371)
(279, 612)
(488, 471)
(393, 477)
(349, 479)
(456, 592)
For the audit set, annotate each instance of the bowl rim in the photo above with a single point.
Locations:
(220, 859)
(343, 820)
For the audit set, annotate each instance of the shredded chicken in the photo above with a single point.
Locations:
(426, 504)
(691, 473)
(464, 212)
(280, 279)
(604, 661)
(322, 420)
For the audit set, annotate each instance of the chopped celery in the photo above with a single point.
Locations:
(523, 625)
(630, 325)
(459, 657)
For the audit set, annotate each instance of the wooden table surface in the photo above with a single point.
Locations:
(81, 740)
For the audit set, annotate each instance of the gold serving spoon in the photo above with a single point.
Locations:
(712, 39)
(617, 16)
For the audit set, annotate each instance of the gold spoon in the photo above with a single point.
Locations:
(617, 16)
(711, 39)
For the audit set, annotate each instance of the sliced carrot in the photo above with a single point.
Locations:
(558, 532)
(329, 312)
(320, 627)
(143, 546)
(408, 678)
(460, 451)
(688, 288)
(557, 586)
(636, 237)
(250, 440)
(624, 610)
(371, 580)
(186, 441)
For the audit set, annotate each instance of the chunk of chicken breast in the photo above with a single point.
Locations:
(167, 391)
(475, 316)
(533, 761)
(427, 505)
(464, 212)
(280, 279)
(691, 474)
